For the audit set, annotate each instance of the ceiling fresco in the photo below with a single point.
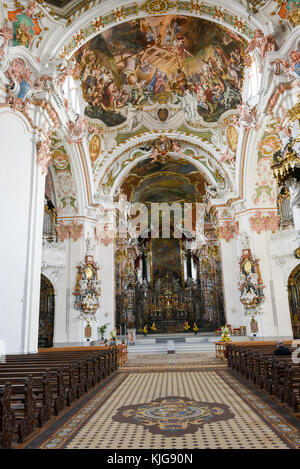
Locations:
(59, 3)
(172, 181)
(188, 62)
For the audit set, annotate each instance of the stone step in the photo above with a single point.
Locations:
(179, 348)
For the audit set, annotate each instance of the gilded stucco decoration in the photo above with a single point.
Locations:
(289, 10)
(250, 282)
(72, 230)
(265, 185)
(26, 23)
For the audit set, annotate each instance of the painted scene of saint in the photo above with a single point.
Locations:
(195, 64)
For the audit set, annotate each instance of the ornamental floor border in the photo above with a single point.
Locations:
(186, 409)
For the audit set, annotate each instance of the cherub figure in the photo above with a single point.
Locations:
(262, 43)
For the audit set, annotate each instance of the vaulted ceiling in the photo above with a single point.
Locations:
(174, 180)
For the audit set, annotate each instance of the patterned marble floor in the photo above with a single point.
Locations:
(175, 409)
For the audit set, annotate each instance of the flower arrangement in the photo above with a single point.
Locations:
(153, 327)
(145, 330)
(225, 334)
(186, 326)
(113, 336)
(195, 328)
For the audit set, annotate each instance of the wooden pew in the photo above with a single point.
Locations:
(7, 417)
(42, 384)
(277, 375)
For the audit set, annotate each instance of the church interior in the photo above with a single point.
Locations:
(150, 199)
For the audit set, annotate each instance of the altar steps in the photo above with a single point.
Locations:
(183, 344)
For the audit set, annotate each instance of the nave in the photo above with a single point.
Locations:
(173, 402)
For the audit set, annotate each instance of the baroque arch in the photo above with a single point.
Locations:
(186, 147)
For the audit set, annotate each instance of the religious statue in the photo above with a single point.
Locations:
(90, 246)
(245, 240)
(83, 284)
(77, 129)
(262, 43)
(6, 34)
(215, 190)
(294, 188)
(87, 289)
(158, 286)
(250, 284)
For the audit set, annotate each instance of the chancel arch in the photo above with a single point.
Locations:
(163, 275)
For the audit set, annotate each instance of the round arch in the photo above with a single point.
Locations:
(125, 165)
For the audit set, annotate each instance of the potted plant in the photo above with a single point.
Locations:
(102, 329)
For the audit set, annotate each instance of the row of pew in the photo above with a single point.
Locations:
(36, 387)
(278, 376)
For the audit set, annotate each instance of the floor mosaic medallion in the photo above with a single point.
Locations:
(173, 416)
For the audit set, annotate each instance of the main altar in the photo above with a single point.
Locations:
(184, 289)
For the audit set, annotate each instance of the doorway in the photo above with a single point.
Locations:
(294, 300)
(46, 318)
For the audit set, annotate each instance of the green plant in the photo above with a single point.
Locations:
(102, 330)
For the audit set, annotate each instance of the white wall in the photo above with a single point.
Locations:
(231, 269)
(21, 205)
